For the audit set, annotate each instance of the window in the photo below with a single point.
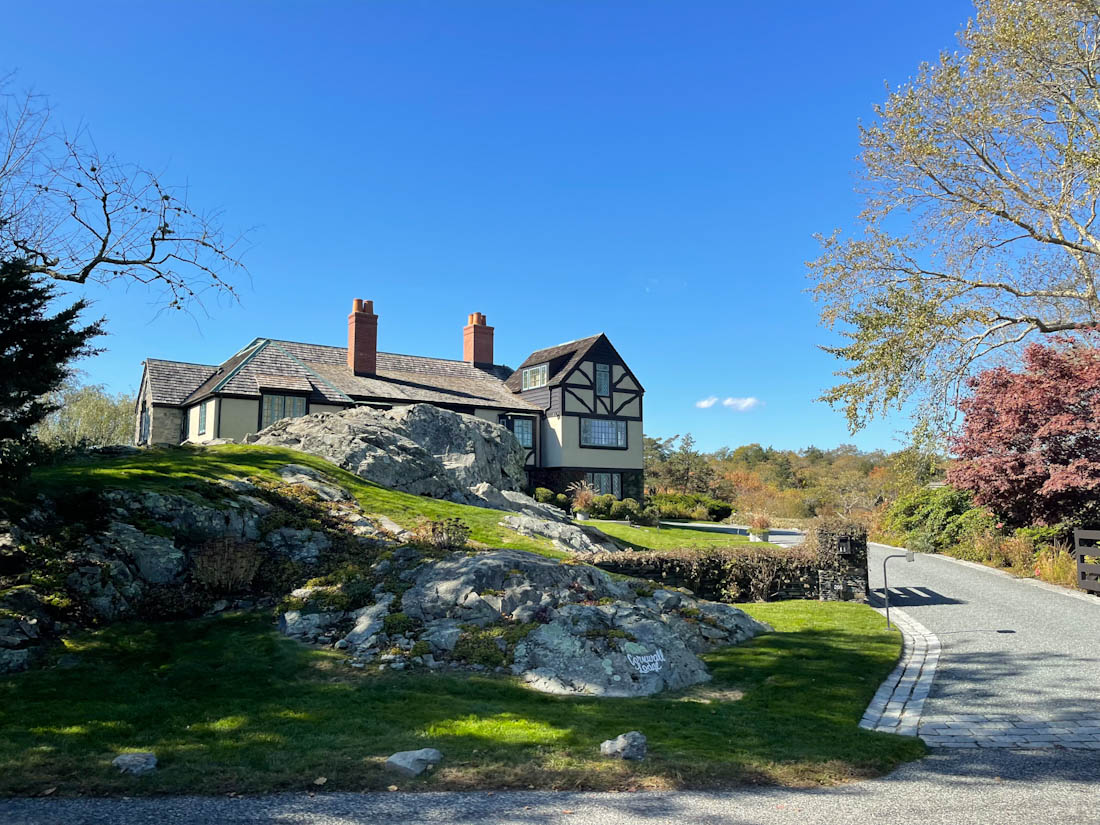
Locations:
(603, 379)
(281, 406)
(524, 431)
(202, 418)
(606, 483)
(603, 432)
(535, 377)
(143, 437)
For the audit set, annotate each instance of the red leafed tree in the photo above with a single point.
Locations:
(1030, 445)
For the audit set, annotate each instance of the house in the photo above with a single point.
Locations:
(576, 408)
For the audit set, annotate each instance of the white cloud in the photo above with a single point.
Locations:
(707, 403)
(741, 404)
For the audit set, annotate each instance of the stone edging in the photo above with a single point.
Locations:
(899, 702)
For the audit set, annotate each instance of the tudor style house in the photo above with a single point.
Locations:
(576, 407)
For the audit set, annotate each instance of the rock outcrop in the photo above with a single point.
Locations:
(562, 627)
(418, 449)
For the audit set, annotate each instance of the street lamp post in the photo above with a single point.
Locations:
(908, 555)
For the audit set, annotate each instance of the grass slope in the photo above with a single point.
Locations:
(670, 538)
(228, 705)
(180, 468)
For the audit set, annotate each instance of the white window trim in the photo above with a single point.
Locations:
(536, 376)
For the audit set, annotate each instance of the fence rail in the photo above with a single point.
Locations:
(1086, 545)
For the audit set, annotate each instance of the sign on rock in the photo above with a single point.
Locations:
(647, 664)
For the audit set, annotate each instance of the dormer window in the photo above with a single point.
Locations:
(603, 379)
(535, 377)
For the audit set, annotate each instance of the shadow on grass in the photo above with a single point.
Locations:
(228, 705)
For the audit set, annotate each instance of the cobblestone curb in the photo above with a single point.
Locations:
(899, 702)
(1081, 731)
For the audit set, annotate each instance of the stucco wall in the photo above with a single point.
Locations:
(488, 415)
(550, 442)
(324, 408)
(238, 417)
(193, 434)
(561, 447)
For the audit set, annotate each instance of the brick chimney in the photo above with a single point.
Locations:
(477, 340)
(363, 338)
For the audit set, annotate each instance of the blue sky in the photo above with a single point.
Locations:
(655, 171)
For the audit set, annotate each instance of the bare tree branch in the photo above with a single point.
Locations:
(76, 215)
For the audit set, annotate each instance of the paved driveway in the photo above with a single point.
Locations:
(1008, 646)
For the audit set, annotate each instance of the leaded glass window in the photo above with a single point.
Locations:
(603, 432)
(606, 483)
(603, 379)
(524, 431)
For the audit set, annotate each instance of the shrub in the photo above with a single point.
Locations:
(544, 495)
(687, 506)
(562, 500)
(449, 534)
(649, 517)
(601, 506)
(397, 623)
(225, 567)
(727, 574)
(929, 516)
(628, 509)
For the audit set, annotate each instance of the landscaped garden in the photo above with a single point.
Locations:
(228, 705)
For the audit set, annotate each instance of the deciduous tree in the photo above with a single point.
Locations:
(982, 176)
(1030, 445)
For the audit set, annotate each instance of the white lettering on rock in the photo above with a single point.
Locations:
(647, 664)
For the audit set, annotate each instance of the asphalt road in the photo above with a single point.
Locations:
(947, 788)
(1047, 665)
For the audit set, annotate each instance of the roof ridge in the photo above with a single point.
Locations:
(303, 365)
(380, 352)
(188, 363)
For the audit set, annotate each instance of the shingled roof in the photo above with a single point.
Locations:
(171, 382)
(561, 359)
(322, 371)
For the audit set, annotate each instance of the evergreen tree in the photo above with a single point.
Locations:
(36, 349)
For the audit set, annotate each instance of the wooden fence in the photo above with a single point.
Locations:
(1086, 545)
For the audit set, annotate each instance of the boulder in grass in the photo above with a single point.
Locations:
(413, 763)
(630, 745)
(135, 764)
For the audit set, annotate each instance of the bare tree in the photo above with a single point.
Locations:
(75, 214)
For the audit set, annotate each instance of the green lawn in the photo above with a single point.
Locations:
(179, 468)
(670, 538)
(230, 706)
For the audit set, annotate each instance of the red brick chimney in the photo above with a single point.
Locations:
(477, 340)
(363, 338)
